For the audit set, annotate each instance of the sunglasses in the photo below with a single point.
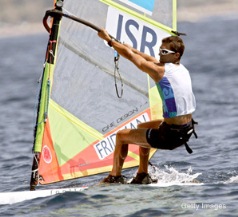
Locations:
(165, 51)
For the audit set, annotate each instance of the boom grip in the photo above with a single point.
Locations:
(55, 12)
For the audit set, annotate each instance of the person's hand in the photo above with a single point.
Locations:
(104, 35)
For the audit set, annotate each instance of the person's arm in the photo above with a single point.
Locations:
(145, 56)
(155, 71)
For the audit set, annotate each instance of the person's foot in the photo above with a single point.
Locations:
(142, 178)
(114, 179)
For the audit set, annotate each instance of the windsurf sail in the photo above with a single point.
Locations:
(79, 112)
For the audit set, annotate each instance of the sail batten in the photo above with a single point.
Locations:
(79, 112)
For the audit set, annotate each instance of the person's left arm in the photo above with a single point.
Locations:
(155, 71)
(144, 55)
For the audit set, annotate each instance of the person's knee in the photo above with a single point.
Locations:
(119, 134)
(139, 126)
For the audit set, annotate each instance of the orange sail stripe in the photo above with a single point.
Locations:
(48, 164)
(88, 159)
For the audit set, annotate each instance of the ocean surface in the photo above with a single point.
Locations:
(211, 57)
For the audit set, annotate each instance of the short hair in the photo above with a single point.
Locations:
(176, 44)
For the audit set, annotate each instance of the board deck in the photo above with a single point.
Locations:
(19, 196)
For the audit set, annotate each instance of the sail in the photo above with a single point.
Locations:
(79, 112)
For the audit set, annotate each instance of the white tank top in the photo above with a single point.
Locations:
(175, 89)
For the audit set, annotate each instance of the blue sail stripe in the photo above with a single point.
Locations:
(148, 4)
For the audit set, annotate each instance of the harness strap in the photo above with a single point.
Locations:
(189, 150)
(194, 122)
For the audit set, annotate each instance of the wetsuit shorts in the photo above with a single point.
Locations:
(169, 136)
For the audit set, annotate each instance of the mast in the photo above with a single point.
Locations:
(50, 59)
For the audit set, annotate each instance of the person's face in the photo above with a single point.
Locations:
(167, 55)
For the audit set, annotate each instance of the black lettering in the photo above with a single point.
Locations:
(127, 115)
(130, 23)
(138, 121)
(113, 140)
(148, 44)
(104, 146)
(104, 129)
(99, 150)
(132, 126)
(144, 117)
(109, 141)
(119, 119)
(120, 20)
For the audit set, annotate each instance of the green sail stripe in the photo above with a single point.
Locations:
(174, 14)
(155, 104)
(43, 107)
(137, 15)
(133, 155)
(71, 118)
(70, 135)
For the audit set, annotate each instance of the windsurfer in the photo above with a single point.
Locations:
(174, 86)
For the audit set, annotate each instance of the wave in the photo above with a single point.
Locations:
(233, 179)
(171, 176)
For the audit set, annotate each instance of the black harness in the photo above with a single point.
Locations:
(188, 135)
(171, 136)
(185, 132)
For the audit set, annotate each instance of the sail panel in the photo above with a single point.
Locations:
(80, 112)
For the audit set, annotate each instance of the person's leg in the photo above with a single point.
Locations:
(123, 138)
(145, 152)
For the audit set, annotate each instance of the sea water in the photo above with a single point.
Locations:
(211, 57)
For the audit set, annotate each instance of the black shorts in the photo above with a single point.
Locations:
(169, 136)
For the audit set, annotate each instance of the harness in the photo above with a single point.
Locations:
(189, 134)
(185, 132)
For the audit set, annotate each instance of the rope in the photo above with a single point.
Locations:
(116, 72)
(35, 172)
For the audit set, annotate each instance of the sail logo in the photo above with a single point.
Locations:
(145, 6)
(106, 146)
(47, 156)
(140, 34)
